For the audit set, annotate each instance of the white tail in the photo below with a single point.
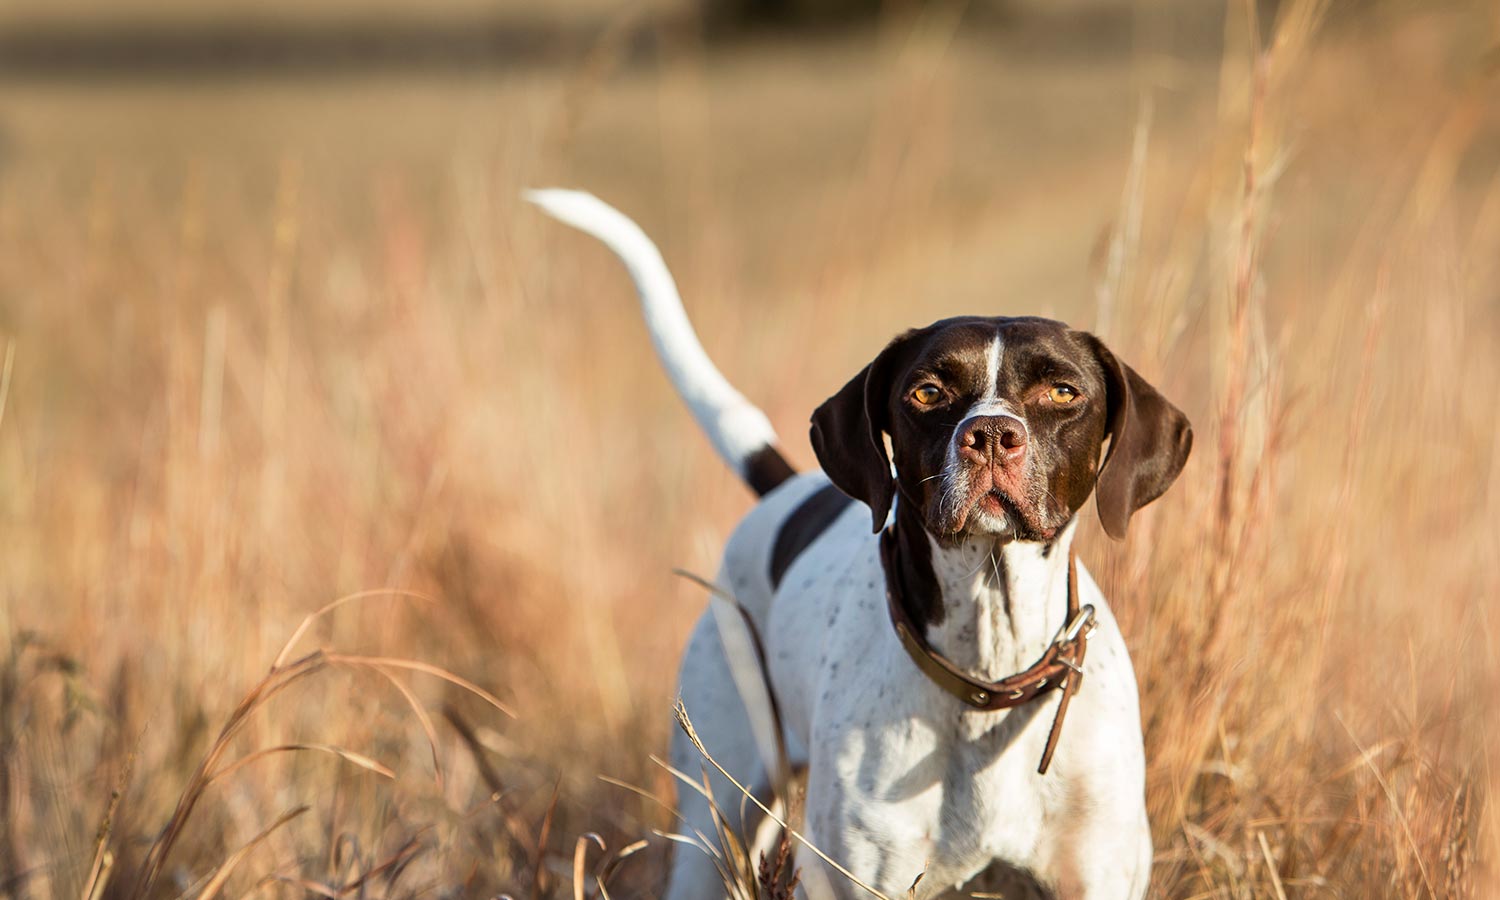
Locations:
(740, 432)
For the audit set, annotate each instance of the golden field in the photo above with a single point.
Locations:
(271, 343)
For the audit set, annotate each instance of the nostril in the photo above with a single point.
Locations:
(991, 437)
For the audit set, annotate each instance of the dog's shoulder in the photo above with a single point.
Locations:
(780, 529)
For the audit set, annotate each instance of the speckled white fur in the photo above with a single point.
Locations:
(903, 779)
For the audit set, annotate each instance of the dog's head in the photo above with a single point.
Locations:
(997, 426)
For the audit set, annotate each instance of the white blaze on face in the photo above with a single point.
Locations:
(992, 374)
(989, 402)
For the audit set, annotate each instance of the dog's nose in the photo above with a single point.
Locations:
(999, 439)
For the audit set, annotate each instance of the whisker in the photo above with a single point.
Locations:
(1059, 504)
(975, 571)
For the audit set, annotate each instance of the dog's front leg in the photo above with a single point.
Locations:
(888, 866)
(886, 844)
(1101, 858)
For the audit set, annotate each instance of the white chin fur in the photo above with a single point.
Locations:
(984, 522)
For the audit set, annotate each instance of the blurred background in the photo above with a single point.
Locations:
(276, 332)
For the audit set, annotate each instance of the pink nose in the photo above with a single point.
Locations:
(995, 439)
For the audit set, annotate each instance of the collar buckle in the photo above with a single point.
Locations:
(1070, 632)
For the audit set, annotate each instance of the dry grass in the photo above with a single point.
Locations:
(268, 346)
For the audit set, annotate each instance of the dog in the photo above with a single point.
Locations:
(923, 620)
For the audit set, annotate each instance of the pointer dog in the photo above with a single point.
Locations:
(924, 622)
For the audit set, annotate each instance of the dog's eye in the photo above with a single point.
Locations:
(1062, 394)
(926, 395)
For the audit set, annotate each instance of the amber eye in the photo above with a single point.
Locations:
(1062, 394)
(926, 395)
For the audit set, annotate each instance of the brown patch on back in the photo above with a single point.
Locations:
(809, 520)
(766, 469)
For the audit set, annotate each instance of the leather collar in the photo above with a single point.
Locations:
(1059, 668)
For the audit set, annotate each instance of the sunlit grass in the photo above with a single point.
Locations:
(321, 358)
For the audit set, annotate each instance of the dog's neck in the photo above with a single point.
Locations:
(991, 607)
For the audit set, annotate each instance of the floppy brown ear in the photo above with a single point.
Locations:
(1149, 444)
(848, 436)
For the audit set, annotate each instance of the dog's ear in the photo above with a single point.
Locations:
(848, 434)
(1149, 443)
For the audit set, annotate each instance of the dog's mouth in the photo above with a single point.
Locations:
(989, 510)
(1016, 520)
(995, 503)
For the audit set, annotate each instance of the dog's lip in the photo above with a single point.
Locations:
(993, 502)
(1005, 504)
(997, 499)
(1014, 522)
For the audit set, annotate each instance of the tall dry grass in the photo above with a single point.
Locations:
(267, 348)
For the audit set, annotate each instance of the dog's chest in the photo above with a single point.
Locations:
(957, 787)
(911, 767)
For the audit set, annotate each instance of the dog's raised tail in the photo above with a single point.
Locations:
(740, 432)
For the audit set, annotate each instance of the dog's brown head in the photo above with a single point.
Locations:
(997, 425)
